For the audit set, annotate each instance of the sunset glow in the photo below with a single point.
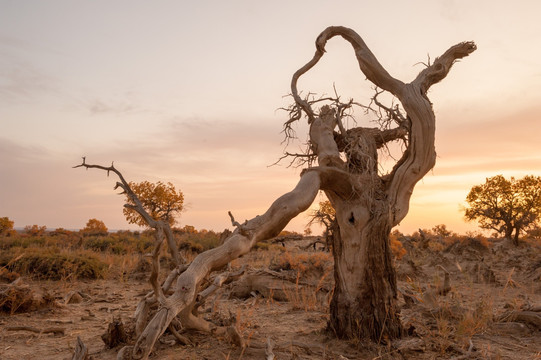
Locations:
(188, 94)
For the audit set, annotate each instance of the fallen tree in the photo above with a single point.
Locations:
(367, 203)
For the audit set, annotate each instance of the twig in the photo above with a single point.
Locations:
(465, 354)
(268, 350)
(180, 338)
(81, 351)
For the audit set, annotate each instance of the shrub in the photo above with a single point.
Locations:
(54, 265)
(35, 230)
(122, 243)
(302, 262)
(199, 240)
(6, 226)
(95, 227)
(396, 246)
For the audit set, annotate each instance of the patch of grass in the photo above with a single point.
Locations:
(475, 321)
(118, 243)
(53, 264)
(303, 262)
(201, 241)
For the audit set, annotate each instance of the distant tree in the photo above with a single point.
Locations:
(189, 229)
(6, 226)
(162, 202)
(35, 230)
(95, 227)
(325, 216)
(441, 230)
(509, 207)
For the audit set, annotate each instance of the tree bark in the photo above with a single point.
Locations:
(365, 294)
(368, 205)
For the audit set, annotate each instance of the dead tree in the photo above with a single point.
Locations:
(367, 204)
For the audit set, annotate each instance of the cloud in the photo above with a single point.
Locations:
(21, 81)
(98, 107)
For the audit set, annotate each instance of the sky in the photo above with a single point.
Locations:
(189, 92)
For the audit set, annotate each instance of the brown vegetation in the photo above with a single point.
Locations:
(460, 297)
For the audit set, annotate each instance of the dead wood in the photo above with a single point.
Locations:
(53, 330)
(81, 351)
(269, 355)
(367, 206)
(218, 282)
(183, 340)
(115, 334)
(313, 244)
(531, 318)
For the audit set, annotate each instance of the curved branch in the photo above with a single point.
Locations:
(368, 63)
(441, 66)
(322, 138)
(303, 104)
(420, 156)
(140, 209)
(259, 228)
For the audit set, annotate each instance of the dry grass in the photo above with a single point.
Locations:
(443, 328)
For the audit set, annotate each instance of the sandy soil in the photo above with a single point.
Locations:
(474, 320)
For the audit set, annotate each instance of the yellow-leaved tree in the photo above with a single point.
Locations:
(95, 227)
(506, 206)
(6, 226)
(161, 200)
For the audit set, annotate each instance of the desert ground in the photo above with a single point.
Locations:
(465, 298)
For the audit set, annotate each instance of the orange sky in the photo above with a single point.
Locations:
(189, 94)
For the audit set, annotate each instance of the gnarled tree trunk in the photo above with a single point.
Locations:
(367, 204)
(364, 299)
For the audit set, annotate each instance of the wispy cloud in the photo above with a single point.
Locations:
(21, 81)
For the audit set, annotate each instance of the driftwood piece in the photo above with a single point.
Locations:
(219, 281)
(81, 351)
(531, 318)
(53, 330)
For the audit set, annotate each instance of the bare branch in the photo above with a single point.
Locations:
(441, 66)
(368, 63)
(139, 208)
